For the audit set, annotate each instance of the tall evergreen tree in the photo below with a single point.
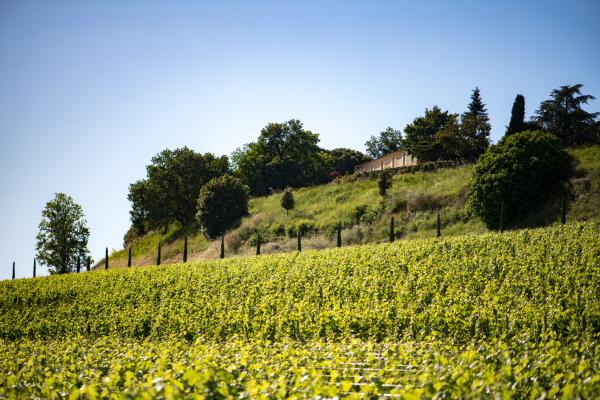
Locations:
(475, 127)
(517, 116)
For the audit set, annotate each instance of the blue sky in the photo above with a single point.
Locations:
(90, 91)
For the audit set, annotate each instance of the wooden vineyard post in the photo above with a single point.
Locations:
(222, 246)
(439, 227)
(129, 257)
(258, 243)
(501, 216)
(106, 259)
(392, 234)
(339, 235)
(185, 249)
(158, 255)
(563, 213)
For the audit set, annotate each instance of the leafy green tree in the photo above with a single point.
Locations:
(517, 116)
(344, 160)
(388, 141)
(221, 203)
(449, 140)
(287, 201)
(170, 190)
(475, 127)
(564, 116)
(522, 171)
(63, 235)
(285, 155)
(384, 182)
(420, 136)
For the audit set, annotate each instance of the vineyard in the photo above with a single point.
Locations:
(498, 315)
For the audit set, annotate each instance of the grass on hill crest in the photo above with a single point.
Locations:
(414, 200)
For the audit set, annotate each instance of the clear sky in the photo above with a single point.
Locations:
(90, 91)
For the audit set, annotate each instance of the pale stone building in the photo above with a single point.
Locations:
(397, 159)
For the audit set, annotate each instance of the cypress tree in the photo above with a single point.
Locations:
(129, 257)
(517, 116)
(34, 267)
(185, 249)
(158, 255)
(392, 234)
(106, 259)
(439, 228)
(339, 235)
(258, 244)
(299, 247)
(222, 247)
(78, 264)
(13, 274)
(89, 262)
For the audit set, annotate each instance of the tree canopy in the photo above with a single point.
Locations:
(522, 172)
(344, 160)
(170, 190)
(564, 116)
(517, 116)
(387, 141)
(475, 128)
(285, 155)
(420, 136)
(63, 235)
(221, 203)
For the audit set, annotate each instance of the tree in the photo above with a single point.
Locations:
(63, 235)
(170, 190)
(384, 182)
(449, 140)
(221, 203)
(475, 127)
(344, 160)
(564, 116)
(287, 201)
(388, 141)
(420, 135)
(517, 116)
(521, 172)
(285, 155)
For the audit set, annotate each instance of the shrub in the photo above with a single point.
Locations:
(287, 200)
(384, 182)
(522, 171)
(221, 203)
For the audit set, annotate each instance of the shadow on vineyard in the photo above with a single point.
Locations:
(515, 313)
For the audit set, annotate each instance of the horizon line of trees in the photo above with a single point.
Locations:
(190, 188)
(285, 155)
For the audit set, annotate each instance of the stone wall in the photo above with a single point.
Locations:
(397, 159)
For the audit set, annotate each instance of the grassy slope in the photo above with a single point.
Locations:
(413, 200)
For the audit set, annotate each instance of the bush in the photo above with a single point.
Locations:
(523, 170)
(221, 203)
(384, 182)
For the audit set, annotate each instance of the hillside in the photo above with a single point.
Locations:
(514, 315)
(414, 201)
